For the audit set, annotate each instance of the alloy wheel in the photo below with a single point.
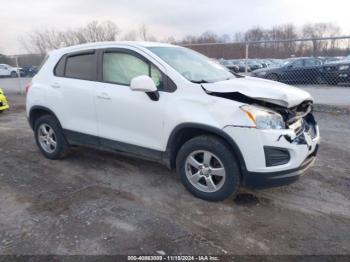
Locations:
(47, 138)
(205, 171)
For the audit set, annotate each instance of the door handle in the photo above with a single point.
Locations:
(55, 85)
(104, 96)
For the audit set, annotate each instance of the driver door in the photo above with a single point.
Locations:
(294, 72)
(128, 119)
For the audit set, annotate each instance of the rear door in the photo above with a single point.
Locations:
(72, 92)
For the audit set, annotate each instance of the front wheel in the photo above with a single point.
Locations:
(208, 168)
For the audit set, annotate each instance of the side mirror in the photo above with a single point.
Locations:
(144, 83)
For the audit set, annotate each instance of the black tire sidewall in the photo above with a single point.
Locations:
(61, 141)
(219, 148)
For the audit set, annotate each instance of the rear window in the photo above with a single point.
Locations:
(81, 67)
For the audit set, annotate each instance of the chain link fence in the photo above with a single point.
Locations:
(314, 61)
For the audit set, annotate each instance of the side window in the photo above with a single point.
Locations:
(120, 68)
(297, 64)
(312, 62)
(81, 67)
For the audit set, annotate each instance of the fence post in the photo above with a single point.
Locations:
(246, 57)
(18, 75)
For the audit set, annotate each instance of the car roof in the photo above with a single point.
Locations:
(144, 44)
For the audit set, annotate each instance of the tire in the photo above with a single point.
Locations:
(13, 74)
(46, 146)
(272, 77)
(220, 156)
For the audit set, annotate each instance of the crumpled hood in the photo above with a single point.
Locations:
(261, 89)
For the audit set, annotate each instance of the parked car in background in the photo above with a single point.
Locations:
(9, 71)
(337, 71)
(28, 70)
(254, 65)
(4, 105)
(241, 65)
(294, 70)
(230, 65)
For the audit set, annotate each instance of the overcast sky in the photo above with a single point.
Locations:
(164, 17)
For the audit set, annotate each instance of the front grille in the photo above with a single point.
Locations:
(311, 130)
(306, 125)
(310, 126)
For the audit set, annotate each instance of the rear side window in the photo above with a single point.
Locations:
(81, 67)
(59, 69)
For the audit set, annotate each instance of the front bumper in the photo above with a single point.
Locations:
(301, 146)
(280, 178)
(337, 76)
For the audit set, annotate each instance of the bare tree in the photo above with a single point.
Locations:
(44, 40)
(319, 30)
(145, 35)
(130, 36)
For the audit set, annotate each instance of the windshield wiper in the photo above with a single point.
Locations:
(200, 81)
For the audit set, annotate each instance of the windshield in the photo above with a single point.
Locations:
(193, 66)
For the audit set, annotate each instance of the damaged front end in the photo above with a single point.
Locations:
(298, 118)
(278, 137)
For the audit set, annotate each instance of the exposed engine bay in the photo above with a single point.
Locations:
(290, 115)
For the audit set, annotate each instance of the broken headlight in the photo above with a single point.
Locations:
(263, 118)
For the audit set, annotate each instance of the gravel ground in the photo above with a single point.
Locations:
(94, 202)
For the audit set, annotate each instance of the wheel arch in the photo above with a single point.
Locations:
(38, 111)
(184, 132)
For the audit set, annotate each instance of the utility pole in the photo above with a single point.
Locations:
(18, 75)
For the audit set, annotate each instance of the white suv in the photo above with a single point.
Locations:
(171, 104)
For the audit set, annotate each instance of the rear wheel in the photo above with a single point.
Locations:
(13, 74)
(49, 137)
(208, 168)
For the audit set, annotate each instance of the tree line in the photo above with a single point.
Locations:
(228, 46)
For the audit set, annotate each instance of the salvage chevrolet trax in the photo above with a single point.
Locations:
(173, 105)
